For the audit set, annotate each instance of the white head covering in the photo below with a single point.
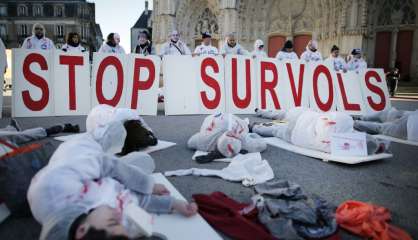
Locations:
(258, 43)
(313, 43)
(38, 25)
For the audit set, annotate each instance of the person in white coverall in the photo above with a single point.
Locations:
(356, 63)
(311, 54)
(310, 129)
(231, 47)
(224, 135)
(112, 45)
(85, 188)
(287, 53)
(206, 48)
(175, 46)
(258, 51)
(38, 40)
(391, 122)
(337, 62)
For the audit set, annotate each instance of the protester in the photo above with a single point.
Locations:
(225, 135)
(206, 49)
(390, 122)
(311, 54)
(139, 134)
(310, 129)
(73, 43)
(112, 45)
(258, 51)
(336, 61)
(38, 39)
(231, 47)
(175, 46)
(3, 58)
(287, 52)
(356, 62)
(12, 137)
(85, 188)
(392, 79)
(144, 45)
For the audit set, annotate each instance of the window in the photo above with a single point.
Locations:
(3, 31)
(60, 31)
(23, 30)
(37, 10)
(3, 10)
(59, 11)
(22, 10)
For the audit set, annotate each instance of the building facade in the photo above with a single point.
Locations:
(386, 30)
(58, 16)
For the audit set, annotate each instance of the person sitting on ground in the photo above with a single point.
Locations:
(391, 122)
(12, 136)
(85, 189)
(224, 135)
(139, 134)
(309, 129)
(287, 52)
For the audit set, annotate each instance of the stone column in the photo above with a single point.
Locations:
(393, 43)
(230, 17)
(164, 16)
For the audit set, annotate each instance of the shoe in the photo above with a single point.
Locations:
(69, 128)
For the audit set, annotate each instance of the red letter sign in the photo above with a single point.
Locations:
(268, 86)
(210, 104)
(241, 103)
(37, 81)
(71, 61)
(114, 61)
(141, 85)
(375, 89)
(328, 104)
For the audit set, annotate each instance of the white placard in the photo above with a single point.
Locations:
(322, 96)
(349, 144)
(375, 91)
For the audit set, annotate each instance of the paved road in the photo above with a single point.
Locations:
(392, 183)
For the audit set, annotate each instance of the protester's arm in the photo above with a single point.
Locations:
(129, 175)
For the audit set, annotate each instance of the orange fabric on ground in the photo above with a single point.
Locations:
(368, 220)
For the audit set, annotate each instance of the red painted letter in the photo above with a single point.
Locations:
(71, 61)
(347, 106)
(297, 95)
(327, 105)
(37, 81)
(210, 104)
(241, 103)
(138, 85)
(376, 106)
(268, 85)
(114, 61)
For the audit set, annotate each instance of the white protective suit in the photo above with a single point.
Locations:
(84, 174)
(357, 65)
(33, 42)
(236, 50)
(283, 56)
(71, 49)
(204, 50)
(257, 53)
(178, 48)
(250, 169)
(105, 48)
(338, 63)
(226, 133)
(310, 56)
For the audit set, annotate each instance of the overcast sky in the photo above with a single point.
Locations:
(119, 16)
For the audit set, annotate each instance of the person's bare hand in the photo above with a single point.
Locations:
(160, 189)
(184, 208)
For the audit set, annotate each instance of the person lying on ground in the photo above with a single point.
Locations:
(391, 122)
(224, 135)
(310, 129)
(85, 188)
(12, 136)
(139, 134)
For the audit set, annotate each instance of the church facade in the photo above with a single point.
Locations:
(386, 30)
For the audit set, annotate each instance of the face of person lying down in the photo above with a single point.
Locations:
(102, 218)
